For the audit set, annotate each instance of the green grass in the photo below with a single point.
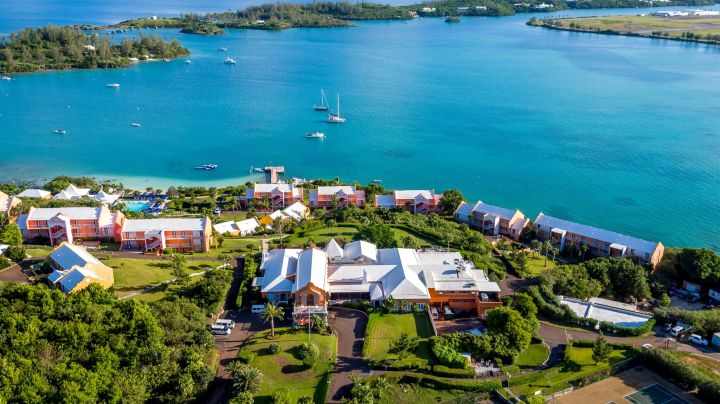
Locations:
(285, 370)
(415, 394)
(533, 356)
(38, 252)
(233, 247)
(705, 365)
(323, 235)
(132, 275)
(578, 365)
(537, 266)
(383, 328)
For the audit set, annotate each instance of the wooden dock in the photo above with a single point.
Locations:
(273, 173)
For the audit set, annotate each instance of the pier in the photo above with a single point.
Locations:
(273, 173)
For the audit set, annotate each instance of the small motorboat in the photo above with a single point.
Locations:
(222, 49)
(6, 78)
(230, 61)
(188, 62)
(315, 135)
(165, 59)
(206, 167)
(59, 131)
(112, 85)
(135, 124)
(377, 180)
(258, 170)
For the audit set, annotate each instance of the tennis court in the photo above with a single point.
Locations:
(654, 394)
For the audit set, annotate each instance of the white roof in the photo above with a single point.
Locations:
(72, 192)
(464, 209)
(296, 211)
(75, 213)
(333, 249)
(384, 200)
(226, 227)
(493, 210)
(277, 214)
(34, 193)
(351, 288)
(267, 188)
(404, 283)
(607, 236)
(104, 197)
(277, 266)
(352, 273)
(332, 190)
(412, 194)
(177, 224)
(311, 268)
(358, 249)
(69, 255)
(247, 225)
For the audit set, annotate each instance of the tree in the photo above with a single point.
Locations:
(270, 313)
(409, 242)
(10, 234)
(331, 223)
(404, 344)
(583, 250)
(509, 333)
(15, 253)
(451, 199)
(535, 245)
(524, 304)
(377, 233)
(601, 349)
(665, 300)
(4, 262)
(177, 269)
(245, 378)
(546, 247)
(277, 225)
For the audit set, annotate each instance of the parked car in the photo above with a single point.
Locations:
(219, 329)
(667, 327)
(257, 308)
(226, 322)
(676, 330)
(696, 339)
(217, 211)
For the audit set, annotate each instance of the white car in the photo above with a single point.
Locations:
(648, 346)
(676, 331)
(696, 339)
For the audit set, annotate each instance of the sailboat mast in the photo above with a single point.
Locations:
(338, 105)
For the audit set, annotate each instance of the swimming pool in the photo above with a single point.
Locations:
(137, 206)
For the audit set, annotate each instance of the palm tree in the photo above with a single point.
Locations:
(245, 378)
(272, 312)
(536, 245)
(583, 250)
(547, 245)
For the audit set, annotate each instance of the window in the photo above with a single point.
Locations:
(421, 306)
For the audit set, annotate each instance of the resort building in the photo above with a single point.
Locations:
(241, 228)
(566, 235)
(155, 235)
(35, 194)
(71, 224)
(105, 198)
(416, 201)
(279, 196)
(341, 195)
(360, 271)
(492, 220)
(296, 212)
(617, 313)
(8, 203)
(71, 193)
(75, 269)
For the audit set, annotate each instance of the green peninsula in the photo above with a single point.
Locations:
(705, 28)
(61, 48)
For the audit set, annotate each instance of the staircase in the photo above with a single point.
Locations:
(154, 245)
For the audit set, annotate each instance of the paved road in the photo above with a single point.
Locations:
(350, 328)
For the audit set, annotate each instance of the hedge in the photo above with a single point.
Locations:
(446, 349)
(362, 306)
(525, 379)
(444, 371)
(682, 374)
(438, 383)
(245, 356)
(580, 343)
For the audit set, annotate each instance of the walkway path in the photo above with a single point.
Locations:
(350, 328)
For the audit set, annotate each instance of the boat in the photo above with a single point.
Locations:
(323, 102)
(188, 62)
(206, 167)
(230, 61)
(377, 180)
(336, 118)
(135, 124)
(59, 131)
(315, 135)
(222, 49)
(112, 85)
(259, 170)
(165, 59)
(6, 78)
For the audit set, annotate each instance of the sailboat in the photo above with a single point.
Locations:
(336, 118)
(323, 102)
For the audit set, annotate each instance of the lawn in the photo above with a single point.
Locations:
(38, 252)
(414, 394)
(132, 275)
(533, 356)
(578, 365)
(645, 25)
(322, 235)
(233, 247)
(284, 369)
(537, 266)
(383, 328)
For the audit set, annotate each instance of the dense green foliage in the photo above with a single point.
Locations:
(683, 374)
(377, 233)
(707, 322)
(208, 293)
(699, 265)
(58, 48)
(10, 234)
(614, 278)
(90, 347)
(451, 199)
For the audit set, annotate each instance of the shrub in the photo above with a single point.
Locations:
(309, 362)
(512, 369)
(245, 356)
(168, 251)
(444, 371)
(362, 306)
(4, 262)
(274, 348)
(438, 383)
(281, 396)
(15, 253)
(681, 373)
(308, 350)
(446, 350)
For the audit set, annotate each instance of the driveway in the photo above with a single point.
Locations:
(13, 273)
(350, 328)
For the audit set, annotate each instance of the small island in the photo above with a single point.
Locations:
(62, 48)
(694, 26)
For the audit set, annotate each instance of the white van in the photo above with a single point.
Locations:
(219, 329)
(676, 331)
(226, 322)
(257, 308)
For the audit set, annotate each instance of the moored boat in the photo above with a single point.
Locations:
(206, 167)
(112, 85)
(315, 135)
(135, 124)
(336, 118)
(230, 61)
(59, 131)
(222, 49)
(6, 78)
(323, 102)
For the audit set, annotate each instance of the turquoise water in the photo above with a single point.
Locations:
(611, 131)
(136, 206)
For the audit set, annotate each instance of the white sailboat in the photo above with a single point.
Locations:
(323, 102)
(336, 118)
